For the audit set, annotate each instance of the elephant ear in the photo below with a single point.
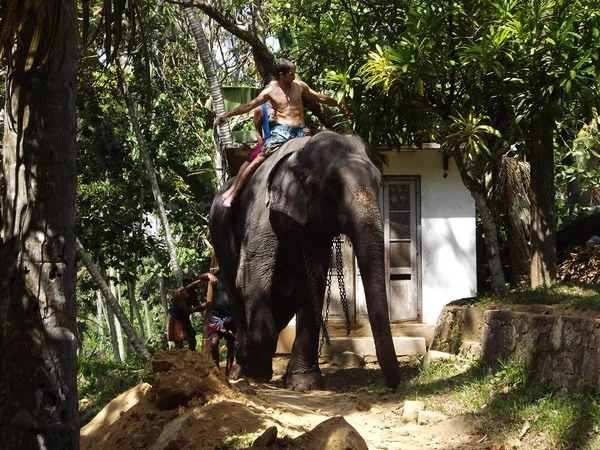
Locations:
(285, 191)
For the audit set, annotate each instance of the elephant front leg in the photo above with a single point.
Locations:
(303, 372)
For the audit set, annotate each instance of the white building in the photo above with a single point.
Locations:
(429, 231)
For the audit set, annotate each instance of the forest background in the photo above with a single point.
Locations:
(508, 88)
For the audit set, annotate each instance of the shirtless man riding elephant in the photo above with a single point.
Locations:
(286, 98)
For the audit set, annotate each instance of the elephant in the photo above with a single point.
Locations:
(309, 191)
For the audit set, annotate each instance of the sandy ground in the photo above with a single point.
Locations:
(191, 406)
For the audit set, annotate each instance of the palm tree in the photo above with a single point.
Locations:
(214, 88)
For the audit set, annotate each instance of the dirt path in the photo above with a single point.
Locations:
(190, 406)
(378, 418)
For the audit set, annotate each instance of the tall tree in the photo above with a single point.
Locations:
(38, 356)
(208, 64)
(113, 303)
(151, 173)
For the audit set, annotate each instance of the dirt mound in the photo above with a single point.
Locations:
(580, 265)
(190, 406)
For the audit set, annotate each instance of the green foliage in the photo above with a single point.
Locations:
(236, 442)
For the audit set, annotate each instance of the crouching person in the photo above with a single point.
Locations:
(221, 325)
(185, 302)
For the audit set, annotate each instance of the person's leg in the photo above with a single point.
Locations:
(230, 342)
(244, 177)
(214, 348)
(250, 158)
(236, 180)
(190, 336)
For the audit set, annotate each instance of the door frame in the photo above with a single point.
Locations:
(417, 246)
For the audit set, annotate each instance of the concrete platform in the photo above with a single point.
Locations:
(411, 346)
(409, 339)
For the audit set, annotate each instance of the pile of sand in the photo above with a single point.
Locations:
(191, 406)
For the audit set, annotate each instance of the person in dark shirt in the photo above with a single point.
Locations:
(185, 302)
(220, 324)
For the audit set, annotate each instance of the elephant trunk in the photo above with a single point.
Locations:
(365, 230)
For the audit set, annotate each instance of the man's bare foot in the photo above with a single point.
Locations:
(228, 193)
(227, 201)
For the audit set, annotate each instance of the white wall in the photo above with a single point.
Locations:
(448, 255)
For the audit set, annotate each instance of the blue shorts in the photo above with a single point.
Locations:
(280, 134)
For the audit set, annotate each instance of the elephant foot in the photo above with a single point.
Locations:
(236, 373)
(258, 374)
(304, 380)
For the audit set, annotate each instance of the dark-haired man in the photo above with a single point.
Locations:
(286, 98)
(185, 302)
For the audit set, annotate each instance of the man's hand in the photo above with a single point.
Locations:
(201, 307)
(212, 279)
(344, 111)
(220, 120)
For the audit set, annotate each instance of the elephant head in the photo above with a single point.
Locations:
(329, 187)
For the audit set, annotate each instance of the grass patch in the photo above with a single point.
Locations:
(506, 404)
(236, 442)
(574, 295)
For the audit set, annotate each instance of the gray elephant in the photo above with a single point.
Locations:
(308, 192)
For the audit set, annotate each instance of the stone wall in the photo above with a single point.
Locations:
(562, 350)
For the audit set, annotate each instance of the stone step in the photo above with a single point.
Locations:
(409, 338)
(365, 346)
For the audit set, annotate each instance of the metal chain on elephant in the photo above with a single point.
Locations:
(310, 262)
(341, 284)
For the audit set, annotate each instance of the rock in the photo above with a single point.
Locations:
(112, 412)
(348, 360)
(427, 417)
(411, 410)
(267, 438)
(363, 404)
(333, 434)
(434, 355)
(472, 350)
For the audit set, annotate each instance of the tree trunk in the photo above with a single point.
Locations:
(112, 329)
(147, 315)
(99, 313)
(151, 177)
(498, 281)
(263, 58)
(208, 64)
(134, 305)
(116, 291)
(163, 292)
(543, 222)
(38, 360)
(139, 346)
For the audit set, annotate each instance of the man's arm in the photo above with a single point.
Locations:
(258, 118)
(179, 300)
(322, 98)
(259, 100)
